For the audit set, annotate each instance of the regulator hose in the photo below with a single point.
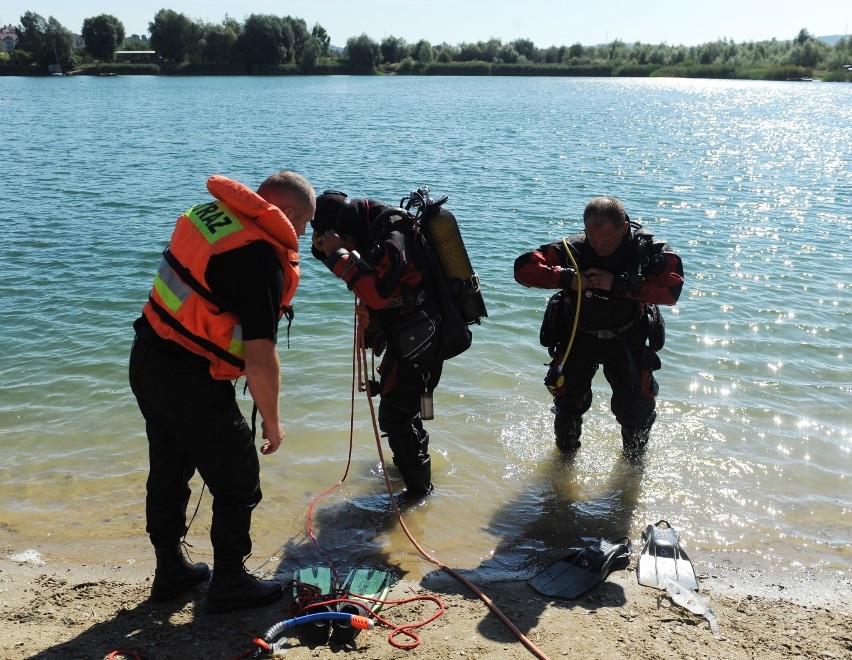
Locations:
(560, 379)
(354, 620)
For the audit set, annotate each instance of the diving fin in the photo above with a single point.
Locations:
(582, 569)
(366, 586)
(313, 584)
(319, 578)
(662, 558)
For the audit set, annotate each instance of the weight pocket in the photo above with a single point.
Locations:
(416, 335)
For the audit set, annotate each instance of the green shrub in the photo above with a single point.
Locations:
(20, 56)
(720, 71)
(210, 69)
(329, 67)
(457, 69)
(527, 69)
(121, 69)
(635, 70)
(837, 76)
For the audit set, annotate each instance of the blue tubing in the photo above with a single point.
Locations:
(281, 626)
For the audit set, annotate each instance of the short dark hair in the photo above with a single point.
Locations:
(607, 207)
(290, 183)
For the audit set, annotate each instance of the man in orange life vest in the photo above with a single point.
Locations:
(226, 278)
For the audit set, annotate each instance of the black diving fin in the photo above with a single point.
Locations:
(662, 558)
(582, 569)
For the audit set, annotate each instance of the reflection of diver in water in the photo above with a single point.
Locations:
(566, 519)
(551, 517)
(548, 519)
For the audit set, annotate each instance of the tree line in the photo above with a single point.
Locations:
(265, 43)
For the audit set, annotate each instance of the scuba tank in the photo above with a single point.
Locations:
(442, 235)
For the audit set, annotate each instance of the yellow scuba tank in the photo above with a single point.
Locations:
(442, 232)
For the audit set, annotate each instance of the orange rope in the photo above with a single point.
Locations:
(310, 512)
(361, 351)
(308, 593)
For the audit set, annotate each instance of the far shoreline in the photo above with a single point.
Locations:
(452, 69)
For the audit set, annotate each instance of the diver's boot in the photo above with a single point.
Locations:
(174, 574)
(342, 632)
(318, 631)
(634, 440)
(233, 588)
(418, 483)
(567, 431)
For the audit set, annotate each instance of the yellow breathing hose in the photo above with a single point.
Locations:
(560, 380)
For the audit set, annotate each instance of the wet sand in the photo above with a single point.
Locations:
(79, 604)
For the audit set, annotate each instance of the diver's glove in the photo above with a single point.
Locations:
(566, 277)
(318, 254)
(336, 256)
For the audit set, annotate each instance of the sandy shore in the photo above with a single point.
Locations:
(89, 608)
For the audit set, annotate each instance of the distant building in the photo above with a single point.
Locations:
(136, 56)
(9, 37)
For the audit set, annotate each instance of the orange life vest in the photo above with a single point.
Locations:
(181, 306)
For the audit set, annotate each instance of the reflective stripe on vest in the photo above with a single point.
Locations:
(237, 345)
(170, 287)
(173, 291)
(234, 355)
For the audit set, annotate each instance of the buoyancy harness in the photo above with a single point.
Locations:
(458, 286)
(560, 306)
(182, 308)
(624, 292)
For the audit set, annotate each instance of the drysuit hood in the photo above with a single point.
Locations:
(347, 216)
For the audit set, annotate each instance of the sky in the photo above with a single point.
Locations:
(545, 22)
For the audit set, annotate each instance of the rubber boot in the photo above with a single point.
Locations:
(418, 483)
(174, 574)
(341, 631)
(233, 588)
(567, 431)
(634, 440)
(318, 631)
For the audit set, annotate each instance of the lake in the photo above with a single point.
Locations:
(750, 182)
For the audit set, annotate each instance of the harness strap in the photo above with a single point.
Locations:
(632, 367)
(204, 343)
(184, 273)
(609, 334)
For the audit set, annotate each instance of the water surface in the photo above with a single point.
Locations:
(749, 181)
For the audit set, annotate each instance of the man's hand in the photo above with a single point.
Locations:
(327, 242)
(263, 373)
(595, 278)
(273, 439)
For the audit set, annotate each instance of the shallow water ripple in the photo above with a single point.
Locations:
(750, 182)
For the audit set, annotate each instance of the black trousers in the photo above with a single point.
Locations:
(402, 383)
(627, 365)
(193, 423)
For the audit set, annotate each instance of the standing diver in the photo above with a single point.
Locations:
(623, 273)
(374, 248)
